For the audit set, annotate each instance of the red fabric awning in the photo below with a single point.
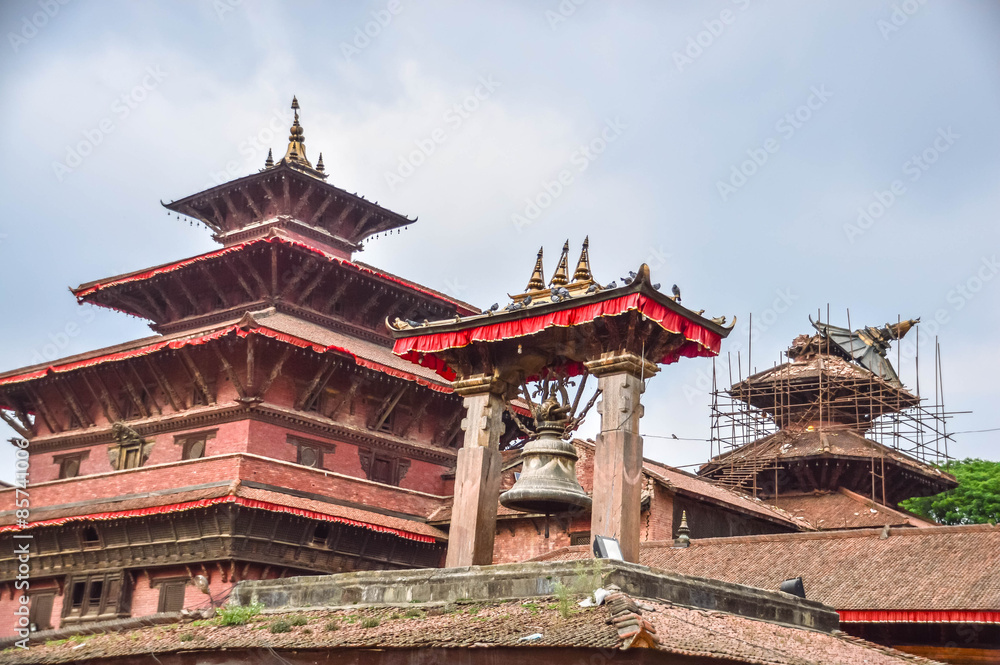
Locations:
(234, 329)
(919, 616)
(237, 500)
(700, 341)
(171, 267)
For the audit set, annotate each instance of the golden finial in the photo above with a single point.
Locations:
(683, 538)
(582, 273)
(269, 162)
(537, 280)
(319, 164)
(296, 139)
(561, 278)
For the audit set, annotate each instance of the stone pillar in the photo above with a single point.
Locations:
(618, 453)
(477, 476)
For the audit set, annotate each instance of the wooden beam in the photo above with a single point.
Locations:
(242, 282)
(417, 416)
(230, 372)
(253, 205)
(311, 286)
(117, 412)
(145, 389)
(302, 200)
(251, 360)
(274, 269)
(14, 424)
(233, 212)
(214, 283)
(359, 228)
(62, 385)
(362, 311)
(147, 294)
(199, 380)
(450, 426)
(320, 210)
(165, 385)
(298, 276)
(221, 219)
(171, 307)
(274, 372)
(335, 296)
(187, 294)
(346, 396)
(103, 402)
(389, 403)
(288, 198)
(253, 273)
(342, 217)
(317, 383)
(132, 393)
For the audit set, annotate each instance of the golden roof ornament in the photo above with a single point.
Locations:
(296, 152)
(561, 276)
(537, 280)
(583, 273)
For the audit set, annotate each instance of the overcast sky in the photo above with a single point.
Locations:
(770, 159)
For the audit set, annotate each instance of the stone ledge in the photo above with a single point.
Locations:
(530, 580)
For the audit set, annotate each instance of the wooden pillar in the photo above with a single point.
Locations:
(618, 450)
(477, 476)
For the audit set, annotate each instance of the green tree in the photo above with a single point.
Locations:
(976, 500)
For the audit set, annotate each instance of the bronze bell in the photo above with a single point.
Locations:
(548, 482)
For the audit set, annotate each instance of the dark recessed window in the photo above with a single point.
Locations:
(194, 448)
(69, 465)
(172, 596)
(90, 537)
(580, 538)
(321, 534)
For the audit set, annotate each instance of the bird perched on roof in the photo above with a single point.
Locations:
(494, 307)
(593, 288)
(677, 292)
(630, 278)
(673, 436)
(656, 287)
(563, 291)
(412, 323)
(514, 306)
(612, 285)
(527, 300)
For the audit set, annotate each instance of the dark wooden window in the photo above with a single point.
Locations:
(69, 465)
(321, 534)
(130, 456)
(90, 537)
(94, 596)
(383, 468)
(309, 452)
(40, 611)
(381, 471)
(580, 538)
(194, 445)
(172, 595)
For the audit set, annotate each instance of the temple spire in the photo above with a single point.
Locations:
(269, 162)
(561, 277)
(319, 163)
(583, 273)
(537, 280)
(296, 152)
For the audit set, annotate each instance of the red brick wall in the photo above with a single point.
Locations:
(522, 539)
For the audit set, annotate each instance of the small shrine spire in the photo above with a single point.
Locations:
(583, 273)
(296, 152)
(537, 280)
(319, 164)
(683, 538)
(561, 277)
(269, 162)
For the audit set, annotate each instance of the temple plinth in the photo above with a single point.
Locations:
(553, 338)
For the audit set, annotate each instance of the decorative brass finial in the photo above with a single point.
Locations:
(296, 139)
(319, 163)
(537, 280)
(683, 538)
(269, 162)
(583, 273)
(561, 277)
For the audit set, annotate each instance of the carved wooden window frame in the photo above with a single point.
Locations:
(189, 440)
(313, 447)
(397, 466)
(65, 461)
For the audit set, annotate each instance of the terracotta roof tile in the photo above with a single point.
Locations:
(678, 630)
(844, 509)
(935, 568)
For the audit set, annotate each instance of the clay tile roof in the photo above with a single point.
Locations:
(932, 569)
(621, 624)
(844, 509)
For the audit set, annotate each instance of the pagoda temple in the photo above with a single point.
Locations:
(266, 430)
(821, 464)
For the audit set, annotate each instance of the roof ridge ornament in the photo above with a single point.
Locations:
(537, 280)
(582, 273)
(561, 276)
(296, 139)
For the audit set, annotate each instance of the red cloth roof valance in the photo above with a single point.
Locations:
(177, 265)
(700, 341)
(919, 616)
(233, 329)
(237, 500)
